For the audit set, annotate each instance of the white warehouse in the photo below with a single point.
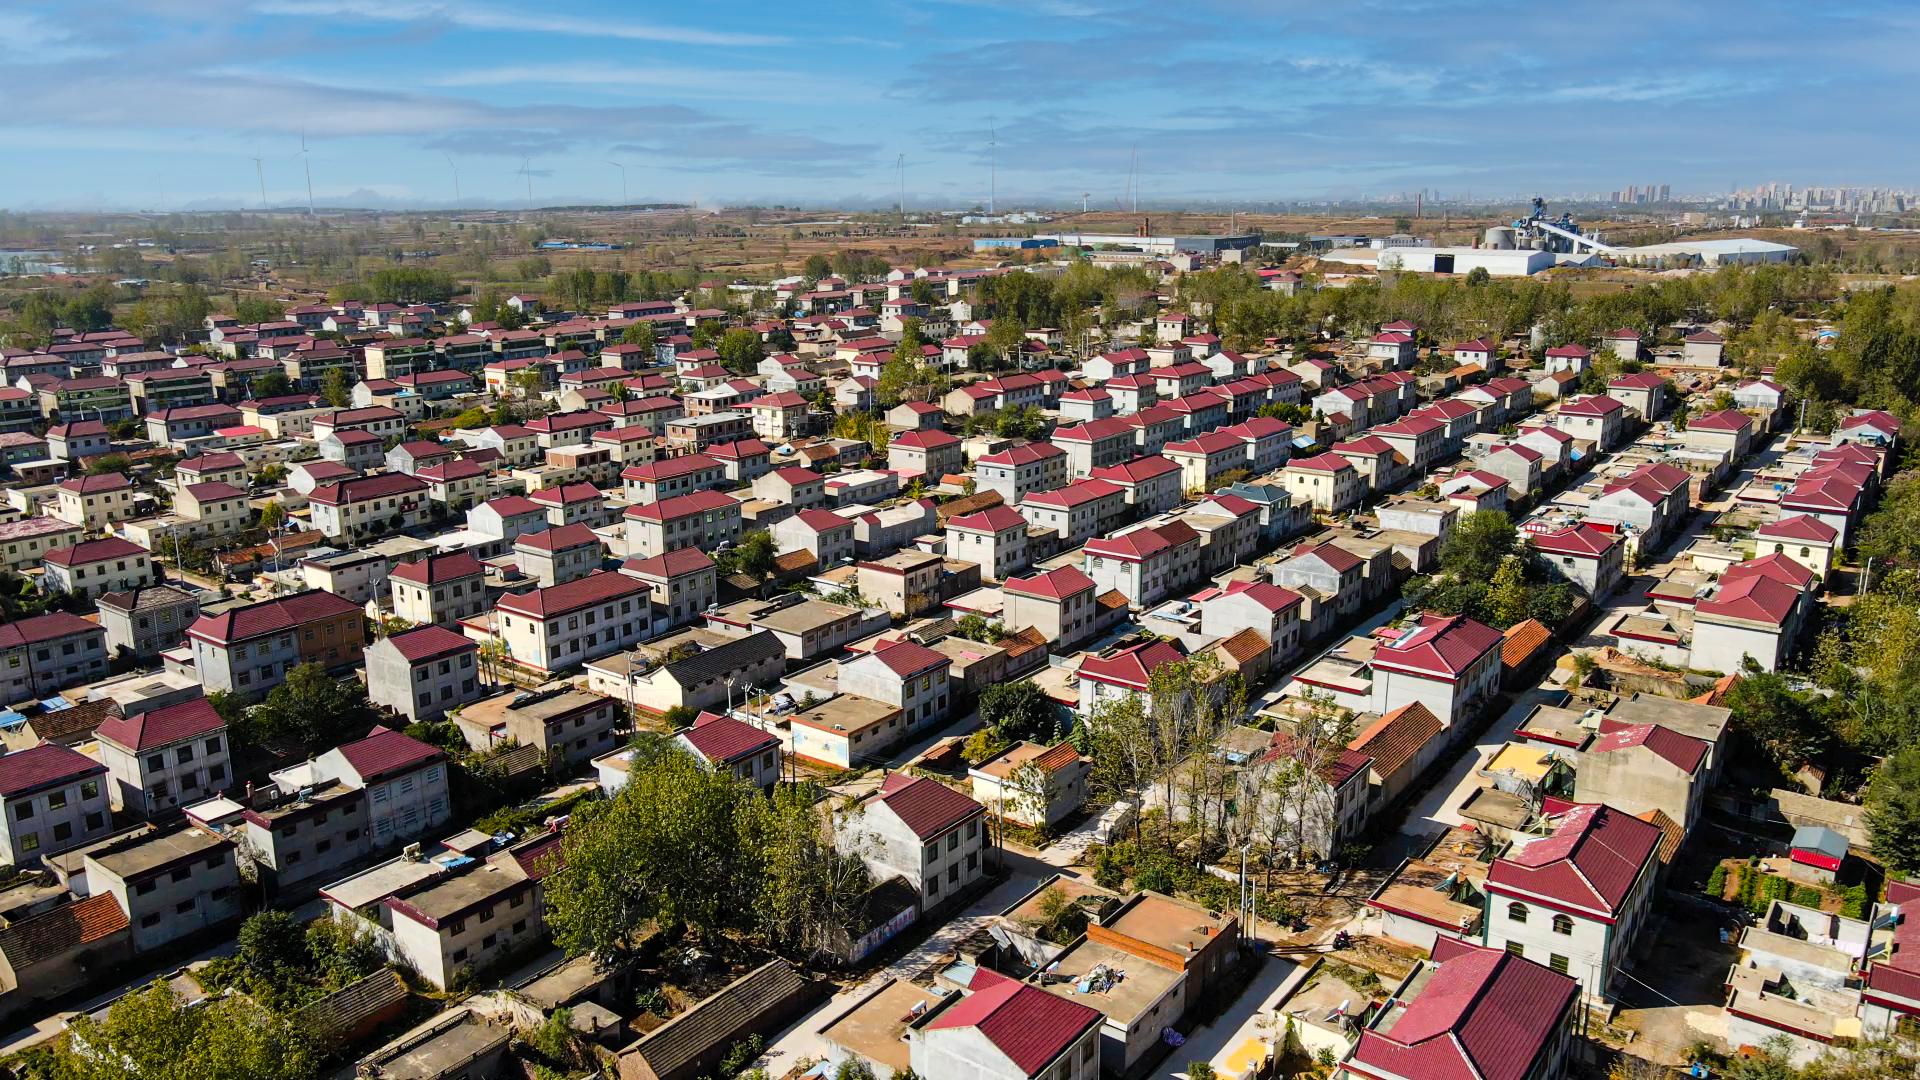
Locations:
(1499, 262)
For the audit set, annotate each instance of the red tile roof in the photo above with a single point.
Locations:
(1131, 667)
(726, 740)
(1724, 420)
(162, 727)
(925, 806)
(1804, 528)
(1751, 598)
(595, 588)
(994, 519)
(1581, 540)
(1590, 862)
(92, 551)
(385, 752)
(1326, 463)
(1682, 751)
(923, 439)
(361, 489)
(1052, 585)
(565, 536)
(438, 569)
(430, 643)
(907, 659)
(1484, 1014)
(1442, 646)
(673, 564)
(1591, 405)
(1027, 1024)
(269, 617)
(1137, 470)
(43, 766)
(96, 485)
(680, 506)
(1776, 566)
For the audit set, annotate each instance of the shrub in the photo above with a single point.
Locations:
(1717, 882)
(1157, 873)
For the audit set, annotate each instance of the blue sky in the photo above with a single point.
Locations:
(126, 103)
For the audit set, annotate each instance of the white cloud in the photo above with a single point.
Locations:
(471, 17)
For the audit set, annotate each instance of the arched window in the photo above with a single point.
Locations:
(1562, 924)
(1517, 912)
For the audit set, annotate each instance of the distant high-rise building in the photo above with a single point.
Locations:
(1665, 192)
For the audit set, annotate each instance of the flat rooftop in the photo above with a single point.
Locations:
(495, 710)
(1425, 887)
(1496, 807)
(374, 885)
(876, 1028)
(144, 854)
(441, 1051)
(845, 714)
(1170, 924)
(1130, 988)
(805, 616)
(446, 898)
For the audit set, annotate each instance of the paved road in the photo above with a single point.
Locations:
(1251, 1016)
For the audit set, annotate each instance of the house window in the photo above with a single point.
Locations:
(1517, 912)
(1516, 948)
(1557, 963)
(1562, 924)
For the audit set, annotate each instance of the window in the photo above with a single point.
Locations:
(459, 956)
(459, 927)
(95, 820)
(1562, 924)
(1517, 912)
(181, 874)
(1557, 963)
(150, 920)
(23, 811)
(57, 801)
(1516, 948)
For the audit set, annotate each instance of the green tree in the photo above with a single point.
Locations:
(641, 334)
(1780, 721)
(1019, 710)
(154, 1035)
(312, 710)
(272, 515)
(741, 350)
(1478, 545)
(1509, 599)
(812, 889)
(271, 384)
(752, 555)
(679, 846)
(272, 946)
(256, 309)
(336, 389)
(1893, 810)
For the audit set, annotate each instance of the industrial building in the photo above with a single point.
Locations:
(1512, 262)
(1158, 245)
(1727, 252)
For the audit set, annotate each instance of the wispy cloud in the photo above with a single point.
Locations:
(480, 17)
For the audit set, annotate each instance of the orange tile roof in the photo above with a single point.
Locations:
(1523, 641)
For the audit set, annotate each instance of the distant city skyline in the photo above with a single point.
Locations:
(167, 104)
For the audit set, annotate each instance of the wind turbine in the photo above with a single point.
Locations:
(308, 165)
(900, 179)
(455, 169)
(526, 170)
(623, 180)
(260, 171)
(1083, 201)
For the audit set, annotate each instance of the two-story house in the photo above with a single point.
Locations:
(165, 758)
